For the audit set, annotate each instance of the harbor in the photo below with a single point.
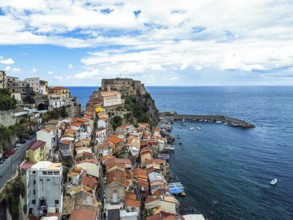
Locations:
(234, 122)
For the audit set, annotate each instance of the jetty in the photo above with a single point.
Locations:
(234, 122)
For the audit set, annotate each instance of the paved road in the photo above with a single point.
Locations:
(8, 168)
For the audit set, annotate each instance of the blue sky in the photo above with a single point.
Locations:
(167, 42)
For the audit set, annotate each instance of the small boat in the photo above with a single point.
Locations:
(198, 128)
(274, 181)
(218, 122)
(191, 128)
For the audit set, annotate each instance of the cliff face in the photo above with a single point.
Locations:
(137, 100)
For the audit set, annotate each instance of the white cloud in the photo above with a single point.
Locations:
(166, 36)
(34, 70)
(58, 77)
(7, 68)
(50, 72)
(16, 70)
(6, 61)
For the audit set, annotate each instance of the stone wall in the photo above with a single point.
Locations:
(6, 119)
(127, 87)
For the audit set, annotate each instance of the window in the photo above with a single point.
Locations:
(34, 182)
(34, 192)
(56, 172)
(50, 173)
(56, 202)
(48, 180)
(34, 172)
(33, 201)
(45, 173)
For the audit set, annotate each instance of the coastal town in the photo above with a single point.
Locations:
(107, 161)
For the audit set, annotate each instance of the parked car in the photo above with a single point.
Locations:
(17, 144)
(6, 155)
(2, 160)
(12, 151)
(22, 141)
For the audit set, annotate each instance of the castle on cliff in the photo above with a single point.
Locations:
(127, 87)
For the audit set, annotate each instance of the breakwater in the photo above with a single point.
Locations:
(234, 122)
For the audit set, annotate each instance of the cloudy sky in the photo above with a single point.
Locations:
(166, 42)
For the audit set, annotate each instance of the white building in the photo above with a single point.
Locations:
(34, 83)
(56, 101)
(110, 98)
(101, 135)
(44, 188)
(49, 136)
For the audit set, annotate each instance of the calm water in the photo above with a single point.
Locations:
(227, 171)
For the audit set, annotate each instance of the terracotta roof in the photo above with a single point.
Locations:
(140, 173)
(132, 203)
(117, 161)
(26, 165)
(89, 182)
(104, 145)
(130, 195)
(83, 214)
(151, 199)
(114, 139)
(117, 176)
(65, 142)
(106, 157)
(156, 161)
(58, 88)
(76, 124)
(69, 130)
(36, 144)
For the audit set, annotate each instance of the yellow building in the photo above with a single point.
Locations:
(36, 151)
(58, 90)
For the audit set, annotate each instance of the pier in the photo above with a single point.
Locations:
(234, 122)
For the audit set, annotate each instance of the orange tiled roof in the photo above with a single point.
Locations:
(140, 173)
(130, 195)
(106, 157)
(79, 214)
(114, 139)
(76, 124)
(132, 203)
(117, 176)
(89, 182)
(117, 161)
(58, 88)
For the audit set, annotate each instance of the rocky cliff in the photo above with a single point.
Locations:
(137, 100)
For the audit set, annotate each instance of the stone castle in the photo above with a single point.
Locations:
(127, 87)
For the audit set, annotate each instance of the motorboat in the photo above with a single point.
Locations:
(198, 128)
(274, 181)
(191, 128)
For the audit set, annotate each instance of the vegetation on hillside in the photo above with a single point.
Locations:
(140, 109)
(6, 101)
(55, 114)
(12, 192)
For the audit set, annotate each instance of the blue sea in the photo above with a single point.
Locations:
(226, 171)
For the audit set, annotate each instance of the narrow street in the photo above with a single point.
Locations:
(8, 168)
